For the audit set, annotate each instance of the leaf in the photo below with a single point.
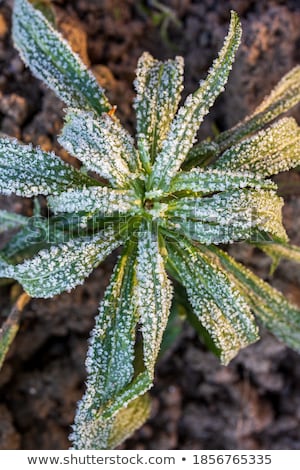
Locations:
(215, 299)
(158, 86)
(270, 306)
(101, 144)
(26, 171)
(52, 60)
(153, 295)
(10, 220)
(228, 216)
(105, 200)
(10, 327)
(184, 127)
(63, 267)
(110, 360)
(285, 95)
(209, 181)
(268, 152)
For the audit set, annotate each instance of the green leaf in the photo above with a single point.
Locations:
(268, 152)
(26, 171)
(110, 360)
(10, 220)
(52, 60)
(158, 86)
(209, 181)
(63, 267)
(270, 306)
(105, 200)
(184, 127)
(285, 95)
(153, 295)
(5, 268)
(215, 299)
(228, 216)
(102, 144)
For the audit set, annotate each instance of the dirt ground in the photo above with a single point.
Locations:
(254, 403)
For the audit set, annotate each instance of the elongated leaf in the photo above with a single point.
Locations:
(183, 130)
(105, 200)
(52, 60)
(10, 220)
(229, 216)
(268, 152)
(158, 86)
(63, 267)
(215, 299)
(211, 181)
(26, 171)
(110, 360)
(153, 294)
(270, 306)
(285, 95)
(101, 144)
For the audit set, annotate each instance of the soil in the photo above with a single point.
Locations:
(254, 403)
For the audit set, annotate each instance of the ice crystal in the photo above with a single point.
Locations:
(168, 220)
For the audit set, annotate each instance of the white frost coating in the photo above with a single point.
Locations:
(268, 152)
(52, 60)
(269, 305)
(110, 358)
(229, 216)
(6, 270)
(10, 220)
(208, 181)
(101, 144)
(63, 267)
(105, 200)
(153, 295)
(216, 301)
(184, 127)
(158, 86)
(26, 171)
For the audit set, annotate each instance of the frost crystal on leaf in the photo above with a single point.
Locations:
(52, 60)
(26, 171)
(102, 145)
(167, 215)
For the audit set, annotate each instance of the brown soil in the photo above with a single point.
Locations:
(197, 404)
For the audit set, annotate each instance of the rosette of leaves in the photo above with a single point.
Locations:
(169, 203)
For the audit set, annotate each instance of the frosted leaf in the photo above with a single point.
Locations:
(158, 86)
(101, 144)
(153, 296)
(215, 299)
(26, 171)
(185, 125)
(270, 306)
(63, 267)
(52, 60)
(211, 181)
(227, 217)
(110, 357)
(10, 220)
(104, 200)
(268, 152)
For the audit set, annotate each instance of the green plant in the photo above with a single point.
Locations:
(167, 202)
